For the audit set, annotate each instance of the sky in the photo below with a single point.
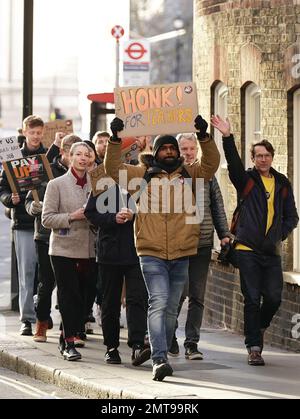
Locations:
(82, 29)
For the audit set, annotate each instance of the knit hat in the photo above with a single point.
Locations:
(92, 145)
(164, 139)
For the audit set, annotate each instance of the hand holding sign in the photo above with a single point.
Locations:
(127, 214)
(124, 215)
(116, 126)
(201, 126)
(36, 208)
(15, 198)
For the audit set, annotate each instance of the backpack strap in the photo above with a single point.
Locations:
(284, 192)
(236, 215)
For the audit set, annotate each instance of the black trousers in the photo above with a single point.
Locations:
(261, 284)
(88, 287)
(46, 281)
(71, 277)
(195, 290)
(112, 277)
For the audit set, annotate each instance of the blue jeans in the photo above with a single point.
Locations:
(165, 281)
(26, 260)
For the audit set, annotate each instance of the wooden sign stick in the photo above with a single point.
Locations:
(35, 196)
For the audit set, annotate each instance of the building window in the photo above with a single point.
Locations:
(296, 147)
(219, 107)
(219, 95)
(251, 115)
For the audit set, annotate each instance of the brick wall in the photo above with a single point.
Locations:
(237, 42)
(224, 307)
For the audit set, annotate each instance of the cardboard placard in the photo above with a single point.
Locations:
(28, 173)
(157, 109)
(9, 149)
(51, 128)
(130, 150)
(95, 176)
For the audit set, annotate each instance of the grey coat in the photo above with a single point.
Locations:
(214, 214)
(68, 239)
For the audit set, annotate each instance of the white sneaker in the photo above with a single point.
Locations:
(97, 314)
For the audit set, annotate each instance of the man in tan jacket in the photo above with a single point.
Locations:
(165, 233)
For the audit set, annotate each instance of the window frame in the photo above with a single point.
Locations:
(296, 174)
(252, 119)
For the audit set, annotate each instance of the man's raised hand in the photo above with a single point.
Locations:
(221, 125)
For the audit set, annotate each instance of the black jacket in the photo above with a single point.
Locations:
(115, 242)
(20, 219)
(251, 227)
(40, 232)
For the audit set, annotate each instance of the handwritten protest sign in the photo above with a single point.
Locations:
(9, 149)
(51, 128)
(28, 173)
(130, 150)
(157, 109)
(96, 175)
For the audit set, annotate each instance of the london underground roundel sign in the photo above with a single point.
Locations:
(117, 32)
(136, 51)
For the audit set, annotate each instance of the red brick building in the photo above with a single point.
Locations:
(247, 67)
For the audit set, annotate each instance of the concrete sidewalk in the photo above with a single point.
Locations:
(223, 373)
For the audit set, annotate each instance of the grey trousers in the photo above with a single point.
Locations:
(26, 261)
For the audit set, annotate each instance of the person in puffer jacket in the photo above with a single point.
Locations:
(164, 238)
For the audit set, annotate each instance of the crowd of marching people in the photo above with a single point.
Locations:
(91, 245)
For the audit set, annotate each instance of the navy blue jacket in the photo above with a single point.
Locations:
(115, 242)
(251, 227)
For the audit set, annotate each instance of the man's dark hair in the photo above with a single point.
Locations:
(264, 143)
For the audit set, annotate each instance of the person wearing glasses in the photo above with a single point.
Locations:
(268, 215)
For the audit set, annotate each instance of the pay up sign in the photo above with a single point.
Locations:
(9, 149)
(28, 173)
(157, 109)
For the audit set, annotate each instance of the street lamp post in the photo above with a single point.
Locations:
(27, 58)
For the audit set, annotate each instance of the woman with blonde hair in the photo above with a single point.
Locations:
(71, 243)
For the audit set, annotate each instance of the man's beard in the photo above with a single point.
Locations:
(169, 164)
(169, 161)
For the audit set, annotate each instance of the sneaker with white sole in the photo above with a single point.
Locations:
(140, 355)
(112, 356)
(161, 369)
(192, 353)
(174, 349)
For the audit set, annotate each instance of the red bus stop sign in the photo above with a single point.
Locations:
(117, 32)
